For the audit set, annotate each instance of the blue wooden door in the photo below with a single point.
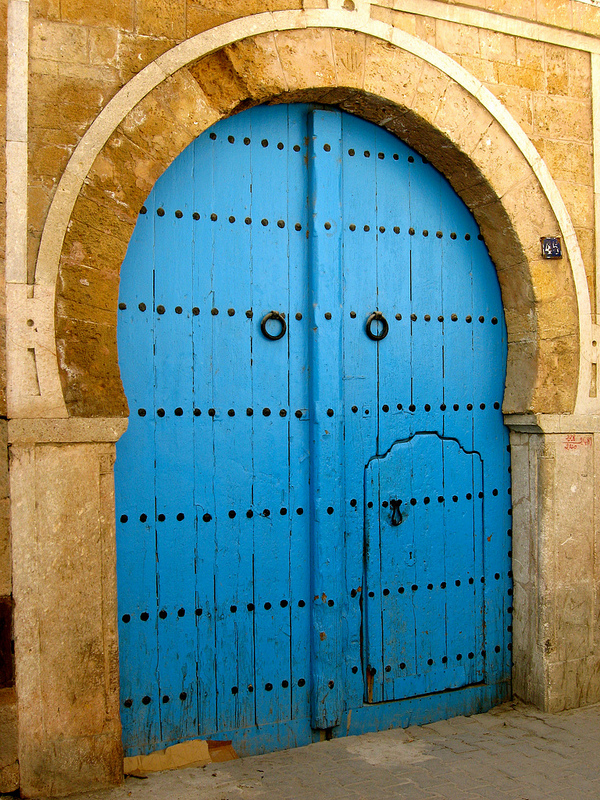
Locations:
(313, 510)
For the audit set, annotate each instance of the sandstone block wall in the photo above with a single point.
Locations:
(381, 83)
(555, 566)
(9, 770)
(69, 714)
(538, 58)
(80, 57)
(546, 88)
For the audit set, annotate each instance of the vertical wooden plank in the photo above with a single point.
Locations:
(232, 447)
(134, 495)
(459, 319)
(175, 539)
(394, 397)
(462, 505)
(391, 589)
(464, 563)
(204, 457)
(359, 293)
(491, 440)
(399, 485)
(394, 286)
(298, 509)
(270, 232)
(326, 417)
(372, 598)
(480, 540)
(430, 556)
(426, 313)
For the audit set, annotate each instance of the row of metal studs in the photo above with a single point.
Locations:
(266, 512)
(160, 309)
(426, 500)
(326, 148)
(247, 140)
(145, 616)
(146, 700)
(285, 684)
(163, 614)
(266, 412)
(443, 659)
(298, 226)
(443, 585)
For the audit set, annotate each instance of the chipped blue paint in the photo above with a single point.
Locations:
(276, 583)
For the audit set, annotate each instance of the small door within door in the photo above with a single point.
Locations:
(424, 607)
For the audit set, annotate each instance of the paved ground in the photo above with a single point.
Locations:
(511, 753)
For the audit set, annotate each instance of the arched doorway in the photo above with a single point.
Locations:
(313, 493)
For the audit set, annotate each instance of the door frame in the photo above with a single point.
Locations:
(317, 170)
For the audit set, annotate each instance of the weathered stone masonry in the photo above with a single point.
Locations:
(500, 99)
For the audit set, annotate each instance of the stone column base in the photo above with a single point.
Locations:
(64, 583)
(555, 471)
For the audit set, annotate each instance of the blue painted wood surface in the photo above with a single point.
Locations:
(326, 420)
(267, 588)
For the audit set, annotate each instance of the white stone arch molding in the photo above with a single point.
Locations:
(342, 17)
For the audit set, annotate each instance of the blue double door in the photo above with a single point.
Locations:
(313, 494)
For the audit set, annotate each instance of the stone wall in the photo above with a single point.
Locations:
(498, 94)
(9, 770)
(555, 474)
(546, 88)
(79, 60)
(445, 124)
(70, 712)
(81, 55)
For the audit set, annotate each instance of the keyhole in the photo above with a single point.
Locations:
(396, 513)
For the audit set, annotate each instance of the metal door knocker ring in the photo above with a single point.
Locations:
(273, 315)
(377, 316)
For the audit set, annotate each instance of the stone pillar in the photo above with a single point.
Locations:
(65, 594)
(9, 766)
(555, 469)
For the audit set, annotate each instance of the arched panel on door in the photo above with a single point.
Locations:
(299, 308)
(424, 607)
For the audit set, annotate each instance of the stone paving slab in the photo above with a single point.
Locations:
(513, 752)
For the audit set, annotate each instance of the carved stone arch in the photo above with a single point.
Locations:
(408, 95)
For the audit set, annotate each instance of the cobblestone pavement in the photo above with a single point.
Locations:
(514, 752)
